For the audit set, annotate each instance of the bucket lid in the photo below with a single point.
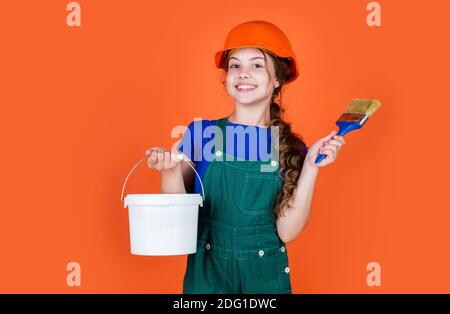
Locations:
(163, 199)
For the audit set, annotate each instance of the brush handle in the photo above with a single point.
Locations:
(320, 157)
(344, 128)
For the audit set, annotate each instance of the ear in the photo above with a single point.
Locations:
(277, 84)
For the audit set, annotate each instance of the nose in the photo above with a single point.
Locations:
(243, 74)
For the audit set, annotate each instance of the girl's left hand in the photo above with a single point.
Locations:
(328, 145)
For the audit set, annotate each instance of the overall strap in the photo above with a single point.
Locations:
(221, 124)
(274, 140)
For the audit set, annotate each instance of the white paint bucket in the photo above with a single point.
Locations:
(163, 224)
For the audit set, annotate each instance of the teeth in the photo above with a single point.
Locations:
(246, 87)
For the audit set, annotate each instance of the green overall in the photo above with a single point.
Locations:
(238, 249)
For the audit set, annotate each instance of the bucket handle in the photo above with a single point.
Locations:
(179, 156)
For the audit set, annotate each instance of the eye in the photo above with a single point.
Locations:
(257, 65)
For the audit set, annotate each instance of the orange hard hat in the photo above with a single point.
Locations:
(260, 34)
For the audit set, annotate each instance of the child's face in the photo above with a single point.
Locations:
(247, 66)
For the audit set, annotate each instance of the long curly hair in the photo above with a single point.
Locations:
(292, 148)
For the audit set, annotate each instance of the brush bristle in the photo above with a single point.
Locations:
(363, 106)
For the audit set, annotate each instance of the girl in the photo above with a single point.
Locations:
(248, 214)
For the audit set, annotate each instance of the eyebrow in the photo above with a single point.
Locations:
(250, 59)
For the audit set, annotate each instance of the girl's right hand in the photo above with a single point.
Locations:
(328, 145)
(161, 159)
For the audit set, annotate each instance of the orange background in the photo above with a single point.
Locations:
(81, 105)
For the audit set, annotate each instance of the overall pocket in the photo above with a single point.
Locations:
(207, 269)
(262, 270)
(259, 193)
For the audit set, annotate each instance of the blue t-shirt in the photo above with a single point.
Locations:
(243, 141)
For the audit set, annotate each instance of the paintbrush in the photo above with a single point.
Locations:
(356, 114)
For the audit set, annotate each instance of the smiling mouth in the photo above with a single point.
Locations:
(245, 88)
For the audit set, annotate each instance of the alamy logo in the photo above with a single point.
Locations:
(374, 277)
(208, 144)
(374, 17)
(74, 17)
(73, 278)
